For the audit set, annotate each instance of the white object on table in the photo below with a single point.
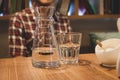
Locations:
(108, 56)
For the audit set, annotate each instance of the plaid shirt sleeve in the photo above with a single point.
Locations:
(62, 23)
(16, 40)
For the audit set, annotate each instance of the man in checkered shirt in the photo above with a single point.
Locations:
(22, 26)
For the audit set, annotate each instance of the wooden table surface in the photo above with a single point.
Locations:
(20, 68)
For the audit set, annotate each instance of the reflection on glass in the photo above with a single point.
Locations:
(71, 10)
(88, 7)
(82, 10)
(30, 3)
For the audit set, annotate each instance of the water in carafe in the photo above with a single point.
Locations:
(45, 53)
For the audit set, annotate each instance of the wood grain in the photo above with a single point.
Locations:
(20, 68)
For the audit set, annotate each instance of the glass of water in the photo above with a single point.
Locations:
(69, 47)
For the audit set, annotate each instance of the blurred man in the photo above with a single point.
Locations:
(22, 26)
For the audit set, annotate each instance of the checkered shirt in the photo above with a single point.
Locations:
(22, 27)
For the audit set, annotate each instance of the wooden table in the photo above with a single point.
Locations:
(20, 68)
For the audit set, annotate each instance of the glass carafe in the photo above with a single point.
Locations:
(45, 52)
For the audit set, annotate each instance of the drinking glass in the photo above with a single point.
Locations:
(69, 47)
